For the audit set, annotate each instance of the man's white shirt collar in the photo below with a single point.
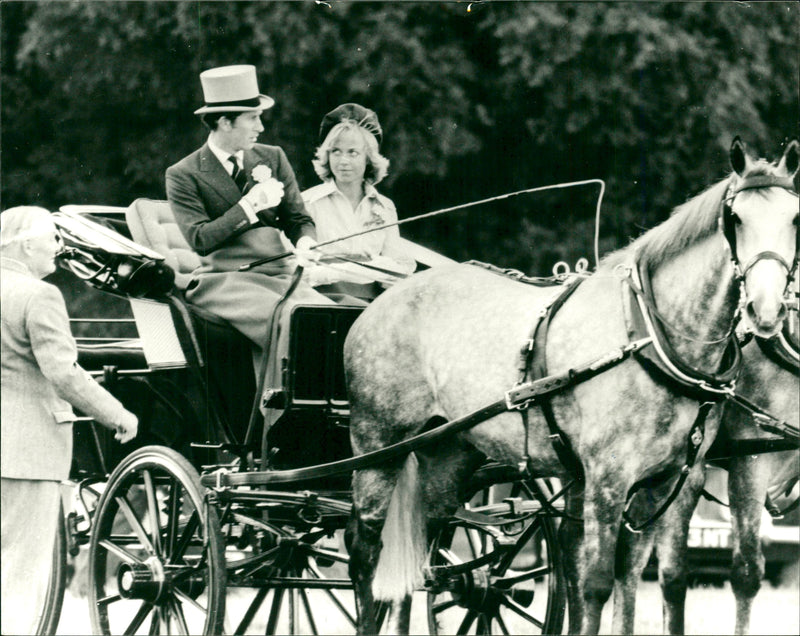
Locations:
(223, 155)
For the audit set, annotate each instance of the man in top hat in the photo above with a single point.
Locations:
(231, 200)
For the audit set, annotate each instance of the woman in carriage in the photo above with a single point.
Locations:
(350, 164)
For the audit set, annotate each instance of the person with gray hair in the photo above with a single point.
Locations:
(350, 164)
(41, 383)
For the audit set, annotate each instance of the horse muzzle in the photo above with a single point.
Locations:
(767, 276)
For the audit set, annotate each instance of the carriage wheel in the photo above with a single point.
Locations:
(517, 591)
(156, 563)
(307, 590)
(56, 585)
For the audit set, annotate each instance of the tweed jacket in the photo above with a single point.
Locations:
(205, 202)
(41, 380)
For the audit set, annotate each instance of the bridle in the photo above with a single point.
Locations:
(728, 220)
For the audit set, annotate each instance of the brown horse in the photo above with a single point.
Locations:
(446, 342)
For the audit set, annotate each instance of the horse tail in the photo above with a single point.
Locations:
(404, 537)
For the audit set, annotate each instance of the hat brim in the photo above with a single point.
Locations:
(265, 103)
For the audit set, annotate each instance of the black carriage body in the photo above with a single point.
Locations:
(188, 376)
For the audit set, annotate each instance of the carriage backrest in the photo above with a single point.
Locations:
(152, 224)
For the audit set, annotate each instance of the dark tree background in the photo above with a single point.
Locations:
(476, 99)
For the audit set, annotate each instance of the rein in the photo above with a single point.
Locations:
(427, 215)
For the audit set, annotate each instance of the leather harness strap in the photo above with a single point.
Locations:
(536, 363)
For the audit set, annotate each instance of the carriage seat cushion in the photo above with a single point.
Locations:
(152, 224)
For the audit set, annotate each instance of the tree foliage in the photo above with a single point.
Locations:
(476, 99)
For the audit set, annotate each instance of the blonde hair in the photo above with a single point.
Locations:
(377, 164)
(23, 222)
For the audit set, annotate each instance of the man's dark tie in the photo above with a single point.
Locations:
(238, 174)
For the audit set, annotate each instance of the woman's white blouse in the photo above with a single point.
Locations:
(334, 217)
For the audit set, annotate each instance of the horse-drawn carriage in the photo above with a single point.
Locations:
(205, 504)
(219, 523)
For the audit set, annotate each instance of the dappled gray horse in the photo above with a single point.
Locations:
(769, 378)
(446, 342)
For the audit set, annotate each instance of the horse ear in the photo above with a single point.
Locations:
(791, 158)
(738, 156)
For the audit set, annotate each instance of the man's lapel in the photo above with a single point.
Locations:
(212, 172)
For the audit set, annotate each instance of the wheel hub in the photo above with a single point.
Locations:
(477, 590)
(144, 581)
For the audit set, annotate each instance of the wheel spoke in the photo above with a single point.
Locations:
(444, 605)
(172, 521)
(177, 610)
(528, 537)
(476, 543)
(119, 551)
(185, 597)
(502, 624)
(135, 524)
(309, 615)
(333, 596)
(450, 557)
(152, 508)
(469, 618)
(521, 611)
(186, 537)
(275, 610)
(293, 610)
(250, 614)
(138, 619)
(107, 600)
(531, 575)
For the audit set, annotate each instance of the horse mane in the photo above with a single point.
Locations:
(689, 222)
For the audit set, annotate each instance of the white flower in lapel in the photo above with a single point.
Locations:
(270, 190)
(261, 173)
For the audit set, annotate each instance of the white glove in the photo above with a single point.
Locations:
(305, 253)
(264, 195)
(127, 428)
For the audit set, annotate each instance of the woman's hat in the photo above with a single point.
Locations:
(232, 89)
(364, 117)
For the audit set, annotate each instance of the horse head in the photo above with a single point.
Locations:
(759, 220)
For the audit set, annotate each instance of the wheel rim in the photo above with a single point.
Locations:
(505, 580)
(155, 560)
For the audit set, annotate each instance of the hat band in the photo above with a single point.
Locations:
(255, 102)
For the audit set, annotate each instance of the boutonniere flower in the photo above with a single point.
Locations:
(261, 173)
(270, 189)
(374, 220)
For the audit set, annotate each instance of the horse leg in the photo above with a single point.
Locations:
(747, 487)
(386, 542)
(633, 553)
(570, 536)
(671, 548)
(602, 515)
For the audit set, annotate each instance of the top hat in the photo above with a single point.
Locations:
(364, 117)
(232, 89)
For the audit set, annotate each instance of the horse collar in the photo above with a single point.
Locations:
(660, 359)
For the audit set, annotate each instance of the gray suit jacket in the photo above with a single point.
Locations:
(205, 199)
(41, 379)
